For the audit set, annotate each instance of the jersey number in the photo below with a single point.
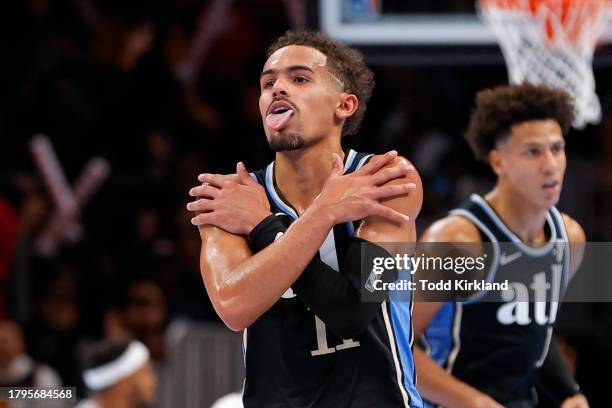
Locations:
(323, 347)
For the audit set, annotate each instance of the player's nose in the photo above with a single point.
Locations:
(549, 162)
(279, 88)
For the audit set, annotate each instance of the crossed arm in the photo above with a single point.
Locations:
(243, 285)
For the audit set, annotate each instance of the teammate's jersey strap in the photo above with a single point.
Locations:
(489, 232)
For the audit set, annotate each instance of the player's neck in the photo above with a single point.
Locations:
(300, 175)
(526, 221)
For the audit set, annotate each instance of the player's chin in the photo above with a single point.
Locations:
(282, 142)
(550, 199)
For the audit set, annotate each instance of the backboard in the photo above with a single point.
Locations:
(429, 26)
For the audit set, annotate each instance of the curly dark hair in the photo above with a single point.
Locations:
(343, 62)
(500, 108)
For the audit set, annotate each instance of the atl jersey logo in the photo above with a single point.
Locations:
(516, 309)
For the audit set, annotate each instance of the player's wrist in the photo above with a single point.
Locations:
(323, 212)
(255, 219)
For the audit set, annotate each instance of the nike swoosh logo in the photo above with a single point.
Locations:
(289, 294)
(506, 259)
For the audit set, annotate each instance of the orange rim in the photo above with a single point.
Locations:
(562, 12)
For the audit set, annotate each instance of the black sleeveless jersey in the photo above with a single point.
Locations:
(495, 341)
(293, 360)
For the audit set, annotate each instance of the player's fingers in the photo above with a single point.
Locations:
(392, 190)
(203, 219)
(391, 173)
(377, 162)
(389, 213)
(244, 175)
(205, 190)
(219, 180)
(200, 205)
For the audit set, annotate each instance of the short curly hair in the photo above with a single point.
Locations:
(500, 108)
(343, 62)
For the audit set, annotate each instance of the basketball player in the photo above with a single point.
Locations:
(491, 353)
(119, 375)
(294, 285)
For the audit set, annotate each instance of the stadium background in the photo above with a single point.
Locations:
(108, 79)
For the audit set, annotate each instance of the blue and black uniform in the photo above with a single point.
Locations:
(294, 359)
(496, 341)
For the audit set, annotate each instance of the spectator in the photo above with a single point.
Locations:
(119, 375)
(17, 369)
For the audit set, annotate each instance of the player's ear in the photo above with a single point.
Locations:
(347, 105)
(495, 161)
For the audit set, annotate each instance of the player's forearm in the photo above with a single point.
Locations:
(436, 385)
(555, 377)
(335, 297)
(252, 286)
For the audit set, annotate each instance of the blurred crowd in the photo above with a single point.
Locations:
(164, 90)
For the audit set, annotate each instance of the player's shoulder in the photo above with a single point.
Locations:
(401, 161)
(410, 204)
(575, 233)
(452, 228)
(412, 176)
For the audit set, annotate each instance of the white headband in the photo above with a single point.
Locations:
(125, 365)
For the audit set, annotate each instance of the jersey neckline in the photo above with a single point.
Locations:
(528, 249)
(278, 196)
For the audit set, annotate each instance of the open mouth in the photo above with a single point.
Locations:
(279, 115)
(550, 185)
(280, 110)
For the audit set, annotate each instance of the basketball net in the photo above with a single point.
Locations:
(551, 42)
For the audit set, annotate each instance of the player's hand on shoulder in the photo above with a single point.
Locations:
(411, 203)
(357, 195)
(233, 202)
(378, 229)
(577, 401)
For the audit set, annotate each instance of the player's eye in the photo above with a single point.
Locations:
(300, 80)
(532, 152)
(267, 84)
(557, 148)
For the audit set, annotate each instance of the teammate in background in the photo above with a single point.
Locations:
(294, 285)
(488, 354)
(119, 375)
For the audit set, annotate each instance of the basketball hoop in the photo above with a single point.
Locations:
(551, 42)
